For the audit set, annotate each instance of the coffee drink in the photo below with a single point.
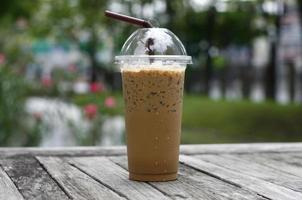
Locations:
(153, 100)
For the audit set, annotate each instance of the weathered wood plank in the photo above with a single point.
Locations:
(63, 151)
(7, 188)
(261, 187)
(241, 148)
(255, 169)
(76, 184)
(276, 161)
(297, 155)
(294, 159)
(31, 179)
(185, 149)
(242, 171)
(115, 177)
(192, 184)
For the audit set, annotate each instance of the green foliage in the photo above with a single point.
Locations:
(13, 127)
(218, 63)
(236, 27)
(10, 104)
(14, 9)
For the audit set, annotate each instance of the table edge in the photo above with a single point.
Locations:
(184, 149)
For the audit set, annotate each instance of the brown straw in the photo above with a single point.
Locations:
(128, 19)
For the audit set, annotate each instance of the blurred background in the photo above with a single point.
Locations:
(59, 86)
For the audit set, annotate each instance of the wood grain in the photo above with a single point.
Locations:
(192, 184)
(220, 171)
(254, 169)
(261, 187)
(76, 184)
(7, 188)
(31, 179)
(115, 177)
(294, 159)
(277, 161)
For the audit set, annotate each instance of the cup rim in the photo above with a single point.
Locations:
(163, 59)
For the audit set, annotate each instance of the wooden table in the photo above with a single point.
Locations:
(235, 171)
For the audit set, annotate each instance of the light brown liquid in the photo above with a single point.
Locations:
(153, 99)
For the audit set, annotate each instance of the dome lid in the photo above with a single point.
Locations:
(153, 44)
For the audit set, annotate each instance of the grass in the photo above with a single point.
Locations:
(208, 121)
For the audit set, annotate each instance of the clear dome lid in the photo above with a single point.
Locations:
(153, 44)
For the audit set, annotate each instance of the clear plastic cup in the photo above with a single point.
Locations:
(153, 63)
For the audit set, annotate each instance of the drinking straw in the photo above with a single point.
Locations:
(128, 19)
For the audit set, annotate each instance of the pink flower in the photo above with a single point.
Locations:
(91, 110)
(97, 87)
(72, 68)
(46, 81)
(110, 102)
(2, 58)
(37, 116)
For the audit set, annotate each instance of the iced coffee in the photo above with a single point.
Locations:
(153, 99)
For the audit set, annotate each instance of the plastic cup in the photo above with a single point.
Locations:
(153, 94)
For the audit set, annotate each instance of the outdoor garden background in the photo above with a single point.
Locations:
(59, 85)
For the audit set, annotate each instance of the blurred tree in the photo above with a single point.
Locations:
(14, 16)
(70, 21)
(13, 9)
(210, 25)
(300, 10)
(202, 29)
(92, 11)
